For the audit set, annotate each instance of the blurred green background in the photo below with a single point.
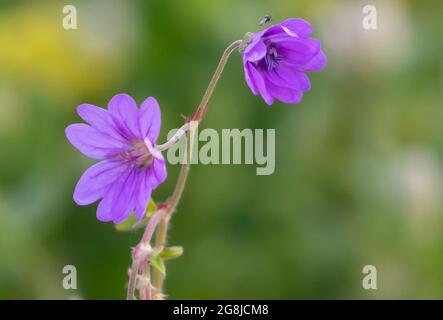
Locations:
(359, 163)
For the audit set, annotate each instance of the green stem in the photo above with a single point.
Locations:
(160, 242)
(184, 171)
(132, 279)
(171, 204)
(203, 107)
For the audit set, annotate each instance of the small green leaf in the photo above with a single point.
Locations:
(171, 252)
(152, 207)
(158, 264)
(126, 225)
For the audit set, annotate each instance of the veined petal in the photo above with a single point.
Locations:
(124, 112)
(157, 172)
(133, 197)
(299, 26)
(119, 200)
(249, 79)
(257, 52)
(286, 95)
(95, 181)
(273, 31)
(99, 119)
(143, 195)
(149, 119)
(259, 82)
(256, 38)
(299, 52)
(289, 77)
(317, 63)
(92, 143)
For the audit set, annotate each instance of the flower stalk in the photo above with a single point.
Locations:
(159, 222)
(176, 137)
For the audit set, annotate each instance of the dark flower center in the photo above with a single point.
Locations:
(272, 58)
(139, 154)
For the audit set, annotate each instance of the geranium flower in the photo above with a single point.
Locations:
(123, 137)
(276, 59)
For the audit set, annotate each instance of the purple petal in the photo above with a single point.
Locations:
(299, 26)
(119, 200)
(248, 78)
(149, 119)
(95, 181)
(153, 150)
(288, 76)
(259, 82)
(124, 112)
(286, 95)
(299, 52)
(272, 31)
(99, 119)
(257, 52)
(317, 63)
(93, 143)
(157, 172)
(143, 195)
(256, 38)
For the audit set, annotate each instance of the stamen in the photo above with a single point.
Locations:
(272, 58)
(139, 155)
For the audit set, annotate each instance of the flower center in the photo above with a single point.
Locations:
(272, 58)
(139, 154)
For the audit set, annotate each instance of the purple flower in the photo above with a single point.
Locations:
(277, 58)
(123, 137)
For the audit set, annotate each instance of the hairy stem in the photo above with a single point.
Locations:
(145, 286)
(171, 204)
(141, 254)
(132, 280)
(203, 107)
(160, 242)
(184, 172)
(180, 132)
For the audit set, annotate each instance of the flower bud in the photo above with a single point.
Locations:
(171, 252)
